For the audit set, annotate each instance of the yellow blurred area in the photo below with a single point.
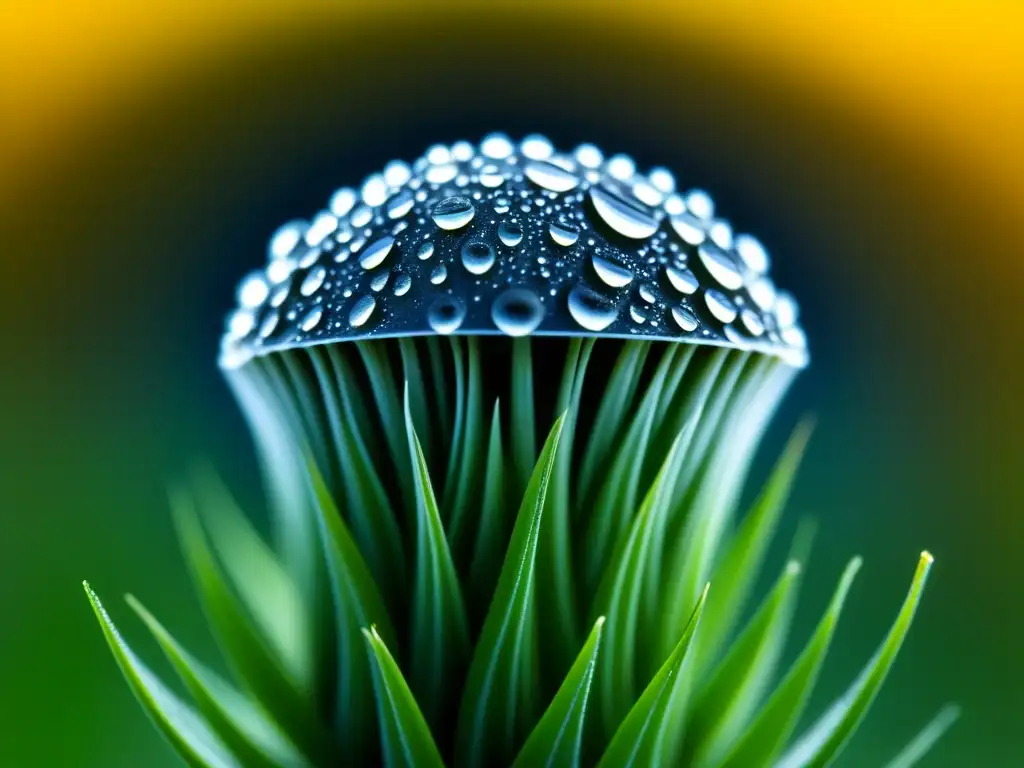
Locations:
(947, 77)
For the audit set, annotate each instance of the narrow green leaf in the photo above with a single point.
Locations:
(618, 596)
(556, 740)
(724, 706)
(190, 736)
(636, 738)
(255, 663)
(741, 563)
(357, 604)
(524, 437)
(464, 492)
(495, 685)
(616, 504)
(826, 738)
(774, 723)
(413, 374)
(405, 735)
(492, 533)
(440, 635)
(911, 754)
(367, 504)
(244, 728)
(439, 389)
(270, 595)
(615, 403)
(556, 604)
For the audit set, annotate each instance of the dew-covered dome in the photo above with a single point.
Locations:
(516, 240)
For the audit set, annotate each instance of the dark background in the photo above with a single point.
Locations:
(139, 182)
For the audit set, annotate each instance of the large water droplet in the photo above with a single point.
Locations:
(439, 275)
(564, 232)
(446, 314)
(425, 251)
(496, 146)
(285, 238)
(752, 322)
(517, 311)
(312, 282)
(323, 224)
(361, 311)
(510, 232)
(380, 280)
(752, 253)
(375, 190)
(611, 271)
(441, 174)
(253, 290)
(623, 212)
(786, 309)
(589, 156)
(376, 252)
(491, 176)
(400, 203)
(699, 203)
(552, 177)
(690, 229)
(536, 147)
(477, 257)
(397, 173)
(685, 319)
(590, 309)
(342, 201)
(453, 213)
(721, 306)
(402, 285)
(241, 322)
(269, 324)
(312, 319)
(720, 266)
(682, 279)
(762, 291)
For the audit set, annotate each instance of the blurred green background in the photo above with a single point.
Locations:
(147, 150)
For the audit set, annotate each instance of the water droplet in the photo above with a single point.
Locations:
(400, 203)
(638, 314)
(269, 324)
(462, 151)
(786, 309)
(312, 319)
(361, 216)
(762, 291)
(794, 337)
(441, 174)
(241, 322)
(752, 322)
(426, 251)
(621, 167)
(589, 156)
(564, 232)
(496, 146)
(402, 285)
(375, 190)
(323, 225)
(342, 201)
(536, 147)
(397, 173)
(491, 176)
(590, 309)
(280, 270)
(699, 203)
(721, 306)
(477, 257)
(647, 293)
(685, 319)
(380, 280)
(284, 239)
(376, 252)
(689, 228)
(453, 213)
(663, 180)
(312, 282)
(253, 290)
(550, 176)
(720, 266)
(510, 232)
(752, 253)
(682, 279)
(361, 310)
(517, 312)
(439, 275)
(720, 233)
(623, 212)
(647, 193)
(611, 270)
(446, 314)
(439, 154)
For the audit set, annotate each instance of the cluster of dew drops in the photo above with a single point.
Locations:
(512, 239)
